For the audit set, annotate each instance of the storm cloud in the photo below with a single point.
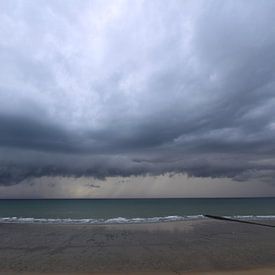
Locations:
(120, 88)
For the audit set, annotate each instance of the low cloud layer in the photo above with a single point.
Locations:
(120, 88)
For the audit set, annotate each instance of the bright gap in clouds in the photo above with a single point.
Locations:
(171, 186)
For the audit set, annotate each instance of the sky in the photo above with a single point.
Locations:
(137, 98)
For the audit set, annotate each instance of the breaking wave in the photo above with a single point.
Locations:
(120, 220)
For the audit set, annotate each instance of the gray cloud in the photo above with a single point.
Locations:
(122, 88)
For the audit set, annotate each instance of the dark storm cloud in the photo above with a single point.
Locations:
(30, 133)
(123, 88)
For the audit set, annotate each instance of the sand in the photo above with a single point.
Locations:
(193, 247)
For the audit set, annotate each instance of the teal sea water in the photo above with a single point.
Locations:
(131, 210)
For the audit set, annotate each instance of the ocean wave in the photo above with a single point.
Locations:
(118, 220)
(121, 220)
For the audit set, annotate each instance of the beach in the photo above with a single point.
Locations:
(197, 246)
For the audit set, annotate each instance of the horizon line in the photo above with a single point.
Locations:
(140, 198)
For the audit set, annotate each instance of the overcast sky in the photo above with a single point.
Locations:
(134, 91)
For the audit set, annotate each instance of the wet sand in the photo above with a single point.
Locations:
(163, 248)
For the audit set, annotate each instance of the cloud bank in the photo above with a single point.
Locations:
(120, 88)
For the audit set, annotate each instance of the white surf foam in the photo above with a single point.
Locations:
(121, 220)
(118, 220)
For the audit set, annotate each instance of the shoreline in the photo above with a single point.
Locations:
(190, 246)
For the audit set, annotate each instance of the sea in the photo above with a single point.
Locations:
(112, 211)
